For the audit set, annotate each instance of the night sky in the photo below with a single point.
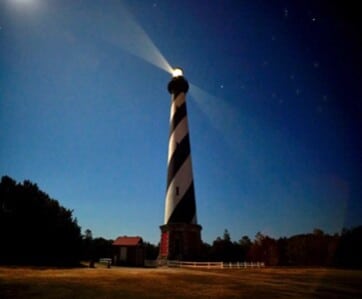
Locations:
(275, 110)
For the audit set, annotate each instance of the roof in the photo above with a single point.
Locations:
(128, 241)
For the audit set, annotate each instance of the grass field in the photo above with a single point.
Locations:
(179, 283)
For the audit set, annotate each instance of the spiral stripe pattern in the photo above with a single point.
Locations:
(180, 193)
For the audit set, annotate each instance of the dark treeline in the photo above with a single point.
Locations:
(313, 249)
(95, 248)
(36, 230)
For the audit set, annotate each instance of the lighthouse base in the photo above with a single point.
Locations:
(180, 241)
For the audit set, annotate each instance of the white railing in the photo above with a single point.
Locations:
(182, 264)
(239, 265)
(215, 265)
(105, 260)
(151, 263)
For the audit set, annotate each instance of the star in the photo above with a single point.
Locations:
(286, 12)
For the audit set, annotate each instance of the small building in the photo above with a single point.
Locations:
(128, 251)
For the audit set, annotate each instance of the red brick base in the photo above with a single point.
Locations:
(180, 241)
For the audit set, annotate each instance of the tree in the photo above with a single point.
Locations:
(226, 236)
(35, 229)
(88, 246)
(151, 251)
(244, 246)
(88, 235)
(264, 249)
(102, 248)
(223, 249)
(348, 253)
(282, 249)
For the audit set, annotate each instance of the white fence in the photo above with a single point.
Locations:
(215, 265)
(207, 265)
(105, 260)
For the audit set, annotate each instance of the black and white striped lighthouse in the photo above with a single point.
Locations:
(180, 233)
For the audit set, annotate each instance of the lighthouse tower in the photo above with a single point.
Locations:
(180, 233)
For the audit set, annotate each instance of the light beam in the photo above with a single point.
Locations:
(221, 114)
(25, 6)
(130, 36)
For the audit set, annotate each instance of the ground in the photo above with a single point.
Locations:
(16, 282)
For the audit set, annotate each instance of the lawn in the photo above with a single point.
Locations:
(178, 283)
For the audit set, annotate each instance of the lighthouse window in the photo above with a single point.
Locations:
(177, 190)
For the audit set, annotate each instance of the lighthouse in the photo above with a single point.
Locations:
(180, 233)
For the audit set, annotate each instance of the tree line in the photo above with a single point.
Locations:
(312, 249)
(35, 229)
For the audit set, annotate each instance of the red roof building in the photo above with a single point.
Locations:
(128, 241)
(128, 251)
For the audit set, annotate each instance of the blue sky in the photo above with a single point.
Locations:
(274, 111)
